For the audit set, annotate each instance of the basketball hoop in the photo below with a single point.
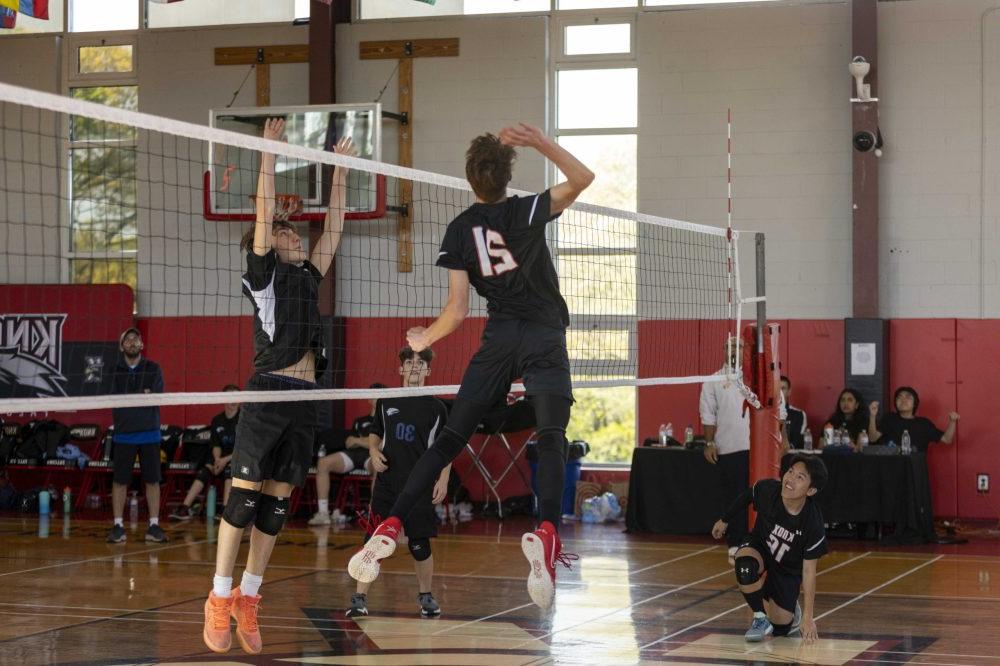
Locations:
(285, 205)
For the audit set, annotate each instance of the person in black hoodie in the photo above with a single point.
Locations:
(137, 432)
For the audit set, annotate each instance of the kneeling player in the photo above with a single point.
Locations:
(779, 556)
(401, 430)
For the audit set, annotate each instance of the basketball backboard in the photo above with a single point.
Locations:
(231, 179)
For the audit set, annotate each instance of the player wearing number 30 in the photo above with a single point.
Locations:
(780, 554)
(498, 246)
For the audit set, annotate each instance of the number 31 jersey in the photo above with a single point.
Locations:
(789, 539)
(407, 428)
(502, 248)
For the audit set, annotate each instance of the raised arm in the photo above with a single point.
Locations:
(578, 176)
(452, 314)
(333, 226)
(949, 432)
(274, 129)
(873, 434)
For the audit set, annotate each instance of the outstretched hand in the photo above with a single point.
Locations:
(346, 147)
(522, 135)
(416, 338)
(873, 408)
(274, 129)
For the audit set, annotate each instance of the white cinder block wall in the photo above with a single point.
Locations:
(782, 69)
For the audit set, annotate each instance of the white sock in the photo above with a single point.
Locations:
(154, 521)
(120, 522)
(249, 584)
(222, 586)
(324, 506)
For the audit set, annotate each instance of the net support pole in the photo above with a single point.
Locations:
(766, 441)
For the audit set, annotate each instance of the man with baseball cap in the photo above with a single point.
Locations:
(137, 432)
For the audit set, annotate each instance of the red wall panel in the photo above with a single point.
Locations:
(922, 355)
(978, 357)
(815, 365)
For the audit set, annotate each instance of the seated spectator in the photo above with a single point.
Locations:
(223, 437)
(849, 416)
(795, 418)
(342, 457)
(922, 430)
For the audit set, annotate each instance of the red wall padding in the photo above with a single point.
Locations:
(978, 357)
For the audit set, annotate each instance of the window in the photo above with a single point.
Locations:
(103, 15)
(102, 189)
(596, 257)
(382, 9)
(223, 12)
(594, 4)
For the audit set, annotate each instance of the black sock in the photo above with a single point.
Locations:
(755, 600)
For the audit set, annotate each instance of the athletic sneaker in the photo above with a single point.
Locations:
(117, 534)
(320, 518)
(182, 513)
(797, 618)
(359, 605)
(244, 611)
(364, 565)
(543, 549)
(216, 633)
(759, 629)
(155, 534)
(428, 607)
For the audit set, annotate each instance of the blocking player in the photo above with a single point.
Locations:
(780, 554)
(274, 441)
(401, 430)
(498, 246)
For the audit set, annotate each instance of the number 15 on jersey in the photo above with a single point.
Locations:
(491, 245)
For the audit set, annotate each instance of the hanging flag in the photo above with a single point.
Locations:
(38, 9)
(8, 17)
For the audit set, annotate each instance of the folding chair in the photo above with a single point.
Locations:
(516, 417)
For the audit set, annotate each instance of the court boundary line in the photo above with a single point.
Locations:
(102, 557)
(743, 605)
(878, 587)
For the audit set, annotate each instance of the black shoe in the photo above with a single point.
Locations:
(428, 607)
(155, 533)
(359, 605)
(182, 513)
(116, 534)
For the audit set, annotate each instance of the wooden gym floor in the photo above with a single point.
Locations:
(67, 597)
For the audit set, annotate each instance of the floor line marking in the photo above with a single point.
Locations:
(103, 557)
(879, 587)
(671, 561)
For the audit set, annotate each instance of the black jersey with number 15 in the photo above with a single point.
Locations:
(502, 248)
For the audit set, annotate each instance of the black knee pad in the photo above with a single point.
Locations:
(204, 475)
(271, 515)
(241, 509)
(420, 549)
(781, 629)
(747, 570)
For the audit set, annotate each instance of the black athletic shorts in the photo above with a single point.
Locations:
(274, 440)
(124, 459)
(781, 587)
(516, 348)
(422, 521)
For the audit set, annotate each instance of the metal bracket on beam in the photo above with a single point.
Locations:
(408, 48)
(260, 55)
(403, 210)
(403, 118)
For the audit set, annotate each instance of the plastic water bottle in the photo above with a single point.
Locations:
(133, 509)
(807, 441)
(43, 502)
(862, 439)
(67, 501)
(905, 445)
(663, 434)
(828, 434)
(210, 501)
(689, 434)
(322, 452)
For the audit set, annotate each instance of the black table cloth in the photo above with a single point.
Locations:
(676, 491)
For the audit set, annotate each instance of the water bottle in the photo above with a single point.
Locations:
(663, 434)
(43, 502)
(689, 435)
(210, 501)
(322, 452)
(133, 509)
(807, 441)
(905, 446)
(862, 439)
(67, 502)
(828, 434)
